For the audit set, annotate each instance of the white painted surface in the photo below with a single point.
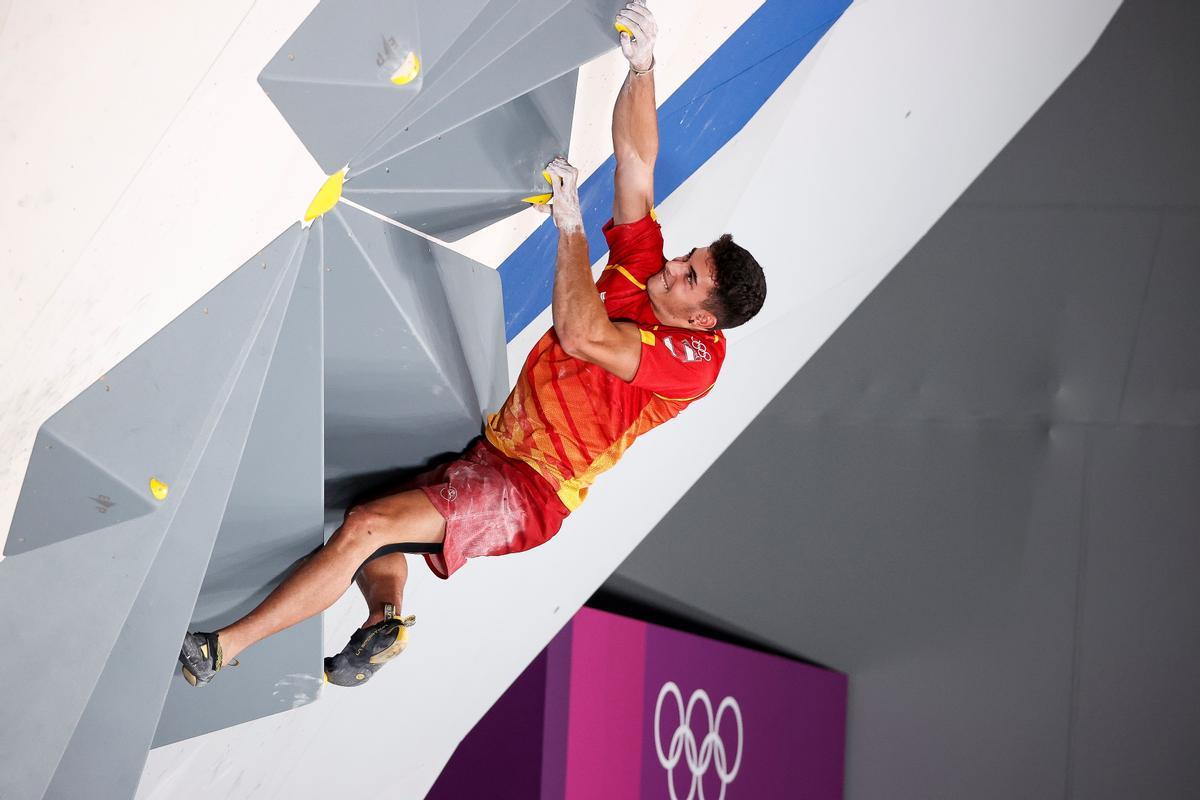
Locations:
(183, 170)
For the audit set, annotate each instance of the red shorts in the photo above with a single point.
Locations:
(492, 504)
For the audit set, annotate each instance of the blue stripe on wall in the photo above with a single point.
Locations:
(694, 123)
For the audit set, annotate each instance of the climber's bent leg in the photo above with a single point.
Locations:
(321, 580)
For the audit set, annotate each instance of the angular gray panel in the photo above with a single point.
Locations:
(246, 498)
(108, 748)
(331, 80)
(399, 387)
(509, 28)
(449, 29)
(142, 419)
(468, 158)
(47, 513)
(410, 368)
(43, 592)
(483, 17)
(476, 173)
(471, 291)
(274, 517)
(574, 36)
(326, 143)
(110, 724)
(558, 44)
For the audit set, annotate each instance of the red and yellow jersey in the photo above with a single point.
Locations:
(571, 420)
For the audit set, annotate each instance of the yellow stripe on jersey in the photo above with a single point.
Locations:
(647, 337)
(685, 399)
(627, 274)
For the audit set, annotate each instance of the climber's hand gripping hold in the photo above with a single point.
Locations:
(638, 32)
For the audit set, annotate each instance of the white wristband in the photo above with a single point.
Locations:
(645, 71)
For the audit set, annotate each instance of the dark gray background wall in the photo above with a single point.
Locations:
(981, 497)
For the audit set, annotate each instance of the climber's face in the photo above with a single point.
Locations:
(679, 291)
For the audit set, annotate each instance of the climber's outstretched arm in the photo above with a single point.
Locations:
(580, 319)
(635, 117)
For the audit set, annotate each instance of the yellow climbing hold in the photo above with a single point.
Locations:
(541, 199)
(158, 489)
(622, 29)
(327, 197)
(408, 70)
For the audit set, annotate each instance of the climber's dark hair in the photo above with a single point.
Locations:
(741, 286)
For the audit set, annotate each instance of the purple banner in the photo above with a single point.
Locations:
(634, 710)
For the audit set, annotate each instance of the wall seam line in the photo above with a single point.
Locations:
(1080, 599)
(1137, 329)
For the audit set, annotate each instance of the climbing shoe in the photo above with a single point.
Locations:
(369, 649)
(200, 657)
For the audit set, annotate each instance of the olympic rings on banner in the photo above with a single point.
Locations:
(711, 751)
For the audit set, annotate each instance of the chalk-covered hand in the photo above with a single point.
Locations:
(638, 31)
(564, 180)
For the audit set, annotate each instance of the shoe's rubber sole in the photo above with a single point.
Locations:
(396, 649)
(188, 676)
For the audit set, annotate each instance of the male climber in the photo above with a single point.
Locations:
(626, 354)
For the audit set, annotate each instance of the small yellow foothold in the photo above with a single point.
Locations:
(359, 677)
(327, 197)
(622, 29)
(541, 199)
(408, 70)
(158, 489)
(326, 674)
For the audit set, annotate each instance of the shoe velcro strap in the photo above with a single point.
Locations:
(214, 651)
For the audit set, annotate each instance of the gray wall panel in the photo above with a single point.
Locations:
(34, 734)
(273, 518)
(389, 401)
(1138, 697)
(1164, 377)
(921, 523)
(512, 26)
(1126, 131)
(209, 405)
(498, 160)
(109, 744)
(1023, 313)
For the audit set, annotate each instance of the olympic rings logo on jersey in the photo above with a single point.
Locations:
(688, 350)
(711, 751)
